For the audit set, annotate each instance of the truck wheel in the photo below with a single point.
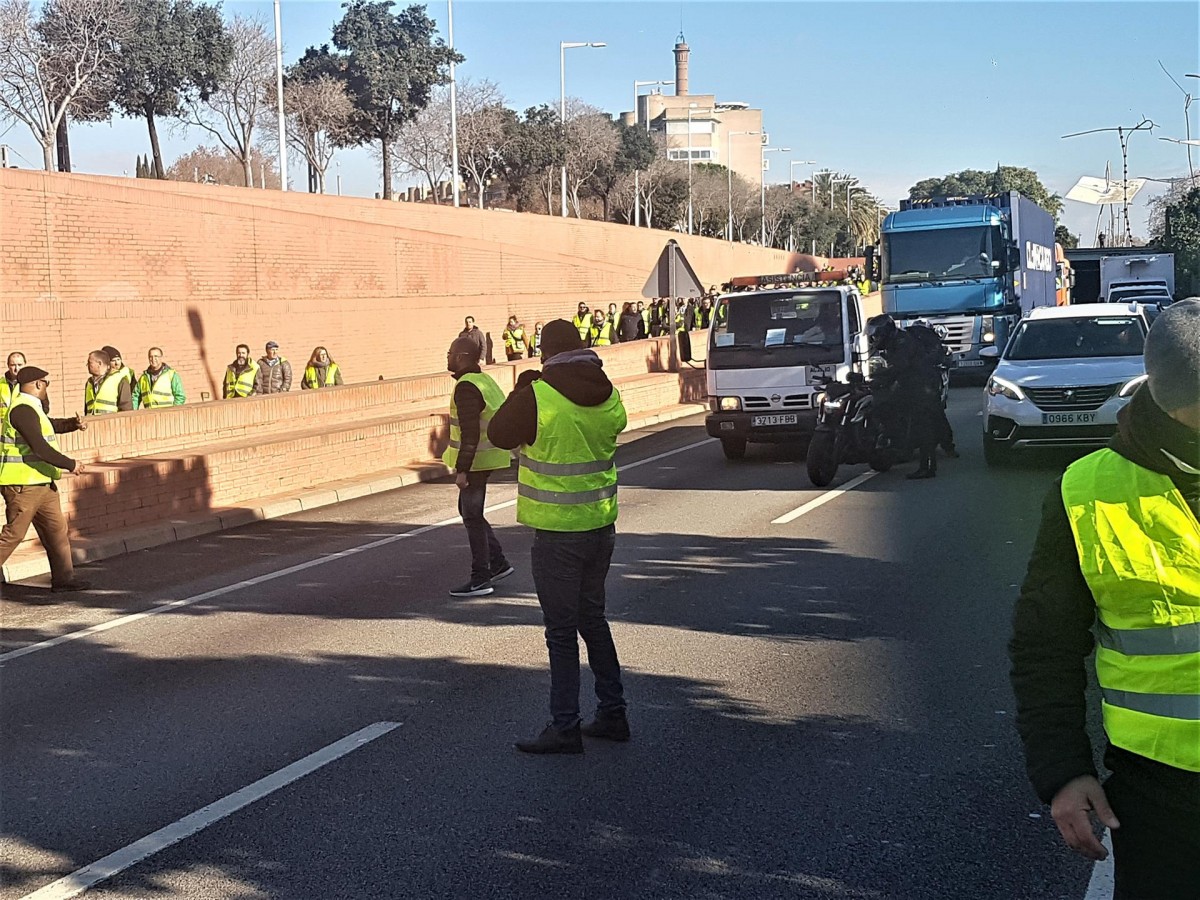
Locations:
(734, 448)
(994, 454)
(822, 458)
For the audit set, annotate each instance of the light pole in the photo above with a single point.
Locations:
(762, 190)
(729, 172)
(453, 105)
(283, 165)
(791, 181)
(832, 182)
(563, 47)
(691, 109)
(814, 183)
(637, 193)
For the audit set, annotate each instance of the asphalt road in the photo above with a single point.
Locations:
(820, 709)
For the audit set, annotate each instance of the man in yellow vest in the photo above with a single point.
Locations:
(241, 375)
(582, 322)
(159, 385)
(106, 390)
(30, 464)
(116, 364)
(565, 420)
(514, 340)
(601, 332)
(473, 459)
(9, 387)
(1119, 550)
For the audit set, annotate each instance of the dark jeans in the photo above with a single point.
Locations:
(569, 569)
(486, 552)
(1156, 851)
(37, 505)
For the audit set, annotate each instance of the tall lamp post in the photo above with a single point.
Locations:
(453, 105)
(563, 47)
(847, 182)
(283, 164)
(762, 190)
(637, 193)
(729, 172)
(792, 180)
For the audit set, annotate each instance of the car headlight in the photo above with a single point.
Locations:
(1131, 385)
(730, 404)
(1005, 388)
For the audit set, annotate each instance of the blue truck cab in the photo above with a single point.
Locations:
(973, 265)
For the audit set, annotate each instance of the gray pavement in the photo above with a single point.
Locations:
(821, 709)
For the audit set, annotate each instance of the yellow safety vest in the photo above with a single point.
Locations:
(311, 379)
(156, 392)
(240, 385)
(126, 373)
(18, 463)
(514, 340)
(584, 324)
(568, 479)
(488, 456)
(535, 345)
(8, 392)
(98, 402)
(601, 335)
(1139, 550)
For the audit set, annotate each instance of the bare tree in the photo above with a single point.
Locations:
(590, 141)
(46, 62)
(216, 165)
(777, 203)
(708, 199)
(484, 132)
(422, 146)
(317, 112)
(232, 111)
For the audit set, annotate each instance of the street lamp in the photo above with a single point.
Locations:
(729, 171)
(283, 163)
(563, 47)
(832, 182)
(798, 162)
(762, 190)
(691, 109)
(637, 194)
(453, 105)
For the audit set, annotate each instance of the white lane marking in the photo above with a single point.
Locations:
(281, 573)
(1101, 885)
(102, 869)
(823, 499)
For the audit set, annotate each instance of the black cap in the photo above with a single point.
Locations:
(112, 352)
(30, 374)
(559, 336)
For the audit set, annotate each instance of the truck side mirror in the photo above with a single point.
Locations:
(1014, 258)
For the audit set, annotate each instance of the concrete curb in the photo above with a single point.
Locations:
(33, 563)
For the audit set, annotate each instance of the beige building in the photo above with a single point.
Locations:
(711, 131)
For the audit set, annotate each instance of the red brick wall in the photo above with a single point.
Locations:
(87, 261)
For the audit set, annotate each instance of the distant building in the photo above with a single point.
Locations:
(711, 131)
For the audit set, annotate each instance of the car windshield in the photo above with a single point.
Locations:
(1080, 338)
(761, 321)
(947, 253)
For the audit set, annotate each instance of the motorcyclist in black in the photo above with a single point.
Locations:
(931, 344)
(910, 384)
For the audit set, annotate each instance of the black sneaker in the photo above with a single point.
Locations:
(612, 727)
(472, 588)
(502, 571)
(552, 740)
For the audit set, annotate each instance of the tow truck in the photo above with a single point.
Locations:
(774, 342)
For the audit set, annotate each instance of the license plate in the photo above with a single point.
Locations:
(967, 363)
(760, 421)
(1069, 418)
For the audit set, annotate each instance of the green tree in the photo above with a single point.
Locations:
(977, 181)
(1178, 231)
(635, 151)
(534, 154)
(173, 51)
(1062, 235)
(391, 63)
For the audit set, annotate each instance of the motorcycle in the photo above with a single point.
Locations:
(848, 432)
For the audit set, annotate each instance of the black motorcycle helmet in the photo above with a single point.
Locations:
(880, 330)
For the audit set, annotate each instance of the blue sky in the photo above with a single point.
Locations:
(892, 92)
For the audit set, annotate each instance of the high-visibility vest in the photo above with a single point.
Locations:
(487, 455)
(645, 315)
(584, 324)
(8, 392)
(155, 391)
(102, 400)
(600, 335)
(1139, 549)
(313, 380)
(126, 373)
(18, 463)
(535, 345)
(567, 479)
(240, 385)
(514, 340)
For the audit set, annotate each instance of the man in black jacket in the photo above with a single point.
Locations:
(1152, 807)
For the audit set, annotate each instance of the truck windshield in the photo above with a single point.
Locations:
(943, 254)
(1080, 338)
(808, 323)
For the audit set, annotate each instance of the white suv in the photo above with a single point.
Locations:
(1066, 372)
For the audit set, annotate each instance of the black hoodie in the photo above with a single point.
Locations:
(1052, 621)
(577, 374)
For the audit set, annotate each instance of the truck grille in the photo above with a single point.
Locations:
(1085, 397)
(791, 401)
(958, 335)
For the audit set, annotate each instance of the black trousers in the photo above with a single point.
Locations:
(486, 552)
(1156, 851)
(569, 570)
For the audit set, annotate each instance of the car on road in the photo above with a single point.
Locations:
(1063, 377)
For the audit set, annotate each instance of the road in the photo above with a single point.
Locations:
(821, 708)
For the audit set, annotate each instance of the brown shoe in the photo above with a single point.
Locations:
(613, 727)
(552, 740)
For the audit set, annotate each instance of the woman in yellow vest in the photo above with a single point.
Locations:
(1119, 551)
(321, 371)
(514, 340)
(473, 459)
